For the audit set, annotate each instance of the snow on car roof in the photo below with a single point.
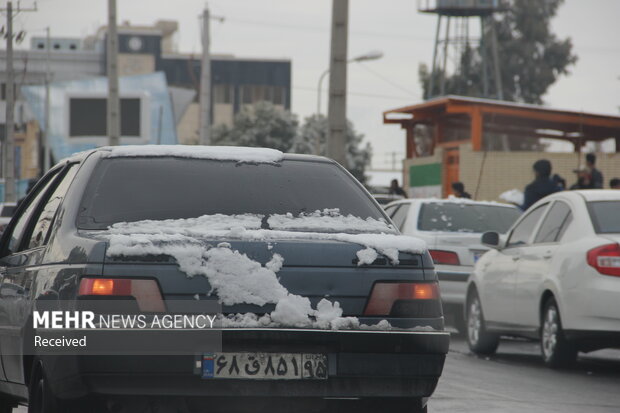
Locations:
(220, 153)
(454, 200)
(599, 194)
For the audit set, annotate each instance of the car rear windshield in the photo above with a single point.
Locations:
(464, 217)
(605, 216)
(134, 189)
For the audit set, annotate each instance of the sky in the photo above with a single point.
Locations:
(299, 30)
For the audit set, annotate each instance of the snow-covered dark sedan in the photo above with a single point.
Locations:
(236, 276)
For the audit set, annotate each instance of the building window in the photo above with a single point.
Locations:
(87, 117)
(246, 95)
(279, 96)
(222, 94)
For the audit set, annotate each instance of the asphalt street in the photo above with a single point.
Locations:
(515, 380)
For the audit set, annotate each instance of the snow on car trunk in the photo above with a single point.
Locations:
(219, 153)
(201, 247)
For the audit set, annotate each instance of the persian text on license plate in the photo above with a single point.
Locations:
(264, 366)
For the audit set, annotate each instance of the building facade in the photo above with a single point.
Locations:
(235, 82)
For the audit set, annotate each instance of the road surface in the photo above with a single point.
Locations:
(515, 380)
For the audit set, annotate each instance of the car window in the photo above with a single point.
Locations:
(391, 210)
(557, 219)
(400, 216)
(48, 212)
(466, 217)
(21, 223)
(604, 216)
(172, 188)
(523, 231)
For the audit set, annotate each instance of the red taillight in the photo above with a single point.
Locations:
(384, 295)
(146, 292)
(605, 259)
(445, 257)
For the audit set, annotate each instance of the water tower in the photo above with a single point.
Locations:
(456, 38)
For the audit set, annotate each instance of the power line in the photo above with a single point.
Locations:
(403, 36)
(369, 95)
(387, 80)
(325, 30)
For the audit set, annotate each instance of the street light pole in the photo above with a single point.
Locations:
(46, 135)
(9, 141)
(372, 55)
(113, 118)
(337, 104)
(205, 81)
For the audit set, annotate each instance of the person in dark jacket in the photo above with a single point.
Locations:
(397, 190)
(614, 183)
(596, 176)
(559, 181)
(459, 190)
(541, 186)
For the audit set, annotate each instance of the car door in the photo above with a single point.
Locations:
(536, 261)
(498, 292)
(22, 252)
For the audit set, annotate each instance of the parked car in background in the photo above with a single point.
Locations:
(7, 209)
(554, 277)
(452, 228)
(247, 213)
(384, 199)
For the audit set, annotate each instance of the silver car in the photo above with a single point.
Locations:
(452, 228)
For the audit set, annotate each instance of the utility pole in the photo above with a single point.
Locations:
(9, 141)
(113, 104)
(8, 147)
(46, 135)
(337, 106)
(499, 89)
(205, 81)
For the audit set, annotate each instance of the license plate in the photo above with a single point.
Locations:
(264, 366)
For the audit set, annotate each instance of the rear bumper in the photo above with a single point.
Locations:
(361, 364)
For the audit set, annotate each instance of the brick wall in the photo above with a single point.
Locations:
(503, 171)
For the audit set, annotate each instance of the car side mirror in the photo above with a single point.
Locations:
(491, 239)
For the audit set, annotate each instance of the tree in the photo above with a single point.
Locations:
(315, 128)
(531, 57)
(261, 125)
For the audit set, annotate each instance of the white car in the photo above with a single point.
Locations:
(554, 277)
(452, 228)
